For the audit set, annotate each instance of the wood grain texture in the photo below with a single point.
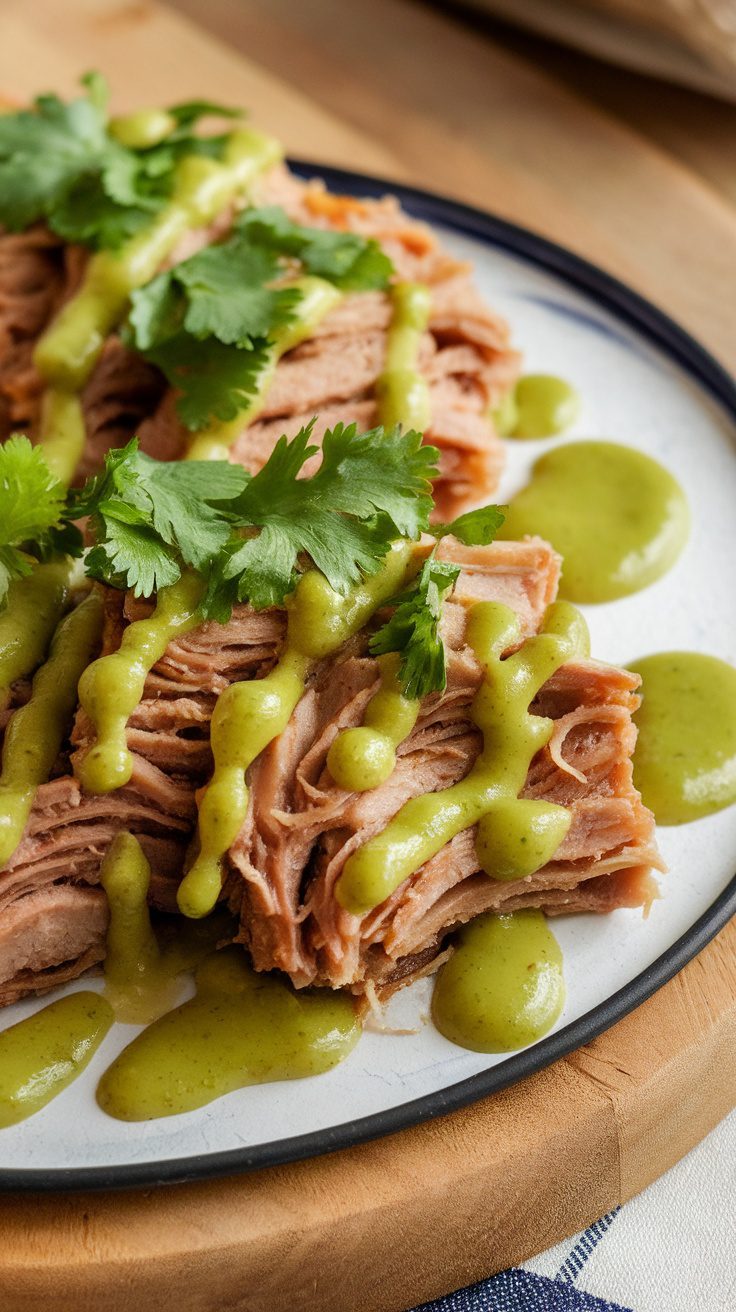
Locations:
(470, 118)
(695, 128)
(394, 88)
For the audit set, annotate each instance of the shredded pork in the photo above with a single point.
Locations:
(300, 828)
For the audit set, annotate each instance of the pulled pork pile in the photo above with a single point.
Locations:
(300, 828)
(466, 355)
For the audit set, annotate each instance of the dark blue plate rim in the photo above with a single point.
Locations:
(680, 346)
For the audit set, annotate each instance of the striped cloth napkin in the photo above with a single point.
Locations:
(671, 1249)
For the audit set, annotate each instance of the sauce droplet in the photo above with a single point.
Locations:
(143, 977)
(685, 755)
(540, 405)
(402, 392)
(242, 1028)
(503, 987)
(364, 757)
(619, 519)
(143, 128)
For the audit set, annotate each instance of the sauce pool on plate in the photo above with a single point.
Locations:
(540, 405)
(617, 517)
(503, 987)
(685, 755)
(241, 1028)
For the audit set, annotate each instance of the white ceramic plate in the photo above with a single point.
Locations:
(644, 383)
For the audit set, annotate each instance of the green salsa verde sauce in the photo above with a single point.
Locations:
(364, 757)
(35, 733)
(43, 1054)
(249, 715)
(503, 987)
(68, 351)
(143, 976)
(34, 607)
(242, 1028)
(402, 392)
(515, 836)
(617, 517)
(111, 687)
(62, 431)
(143, 128)
(318, 297)
(685, 754)
(540, 405)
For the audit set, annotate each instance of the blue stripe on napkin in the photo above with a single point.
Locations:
(573, 1265)
(521, 1291)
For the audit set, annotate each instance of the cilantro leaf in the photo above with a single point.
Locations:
(150, 518)
(214, 381)
(207, 323)
(476, 528)
(61, 162)
(228, 296)
(31, 504)
(346, 259)
(43, 152)
(132, 556)
(156, 314)
(413, 629)
(31, 498)
(188, 112)
(369, 489)
(181, 494)
(88, 216)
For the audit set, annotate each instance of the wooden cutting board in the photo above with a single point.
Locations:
(389, 87)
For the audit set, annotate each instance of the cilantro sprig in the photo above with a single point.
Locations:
(414, 627)
(60, 162)
(248, 536)
(251, 536)
(150, 519)
(351, 262)
(369, 489)
(31, 512)
(208, 323)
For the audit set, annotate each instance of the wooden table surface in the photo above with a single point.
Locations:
(632, 174)
(641, 180)
(636, 175)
